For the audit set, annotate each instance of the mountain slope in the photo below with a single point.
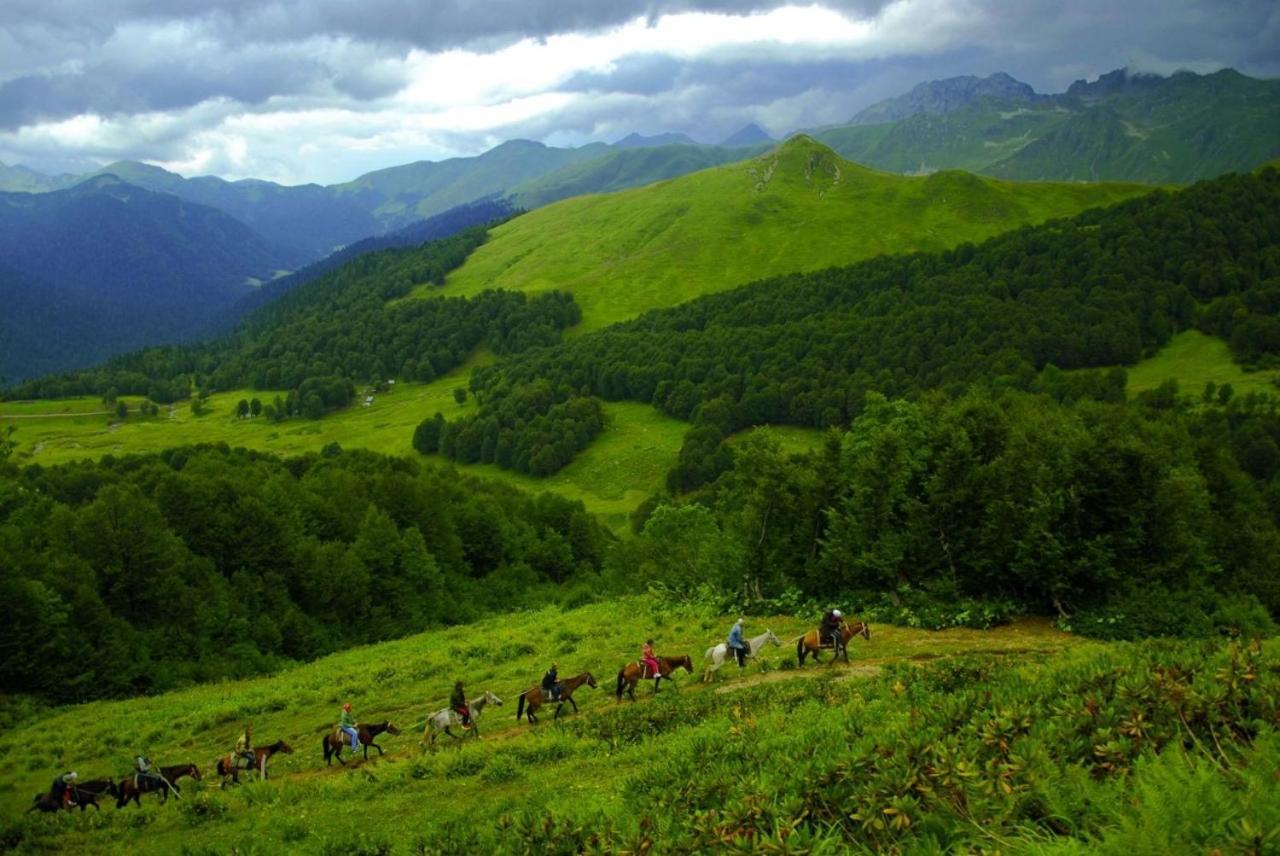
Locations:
(1123, 126)
(799, 207)
(104, 267)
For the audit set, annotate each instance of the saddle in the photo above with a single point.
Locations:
(645, 672)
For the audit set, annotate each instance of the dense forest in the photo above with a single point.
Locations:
(144, 573)
(347, 324)
(1102, 289)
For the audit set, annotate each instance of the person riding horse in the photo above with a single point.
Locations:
(649, 660)
(551, 684)
(737, 644)
(458, 701)
(144, 770)
(829, 629)
(347, 724)
(243, 753)
(63, 790)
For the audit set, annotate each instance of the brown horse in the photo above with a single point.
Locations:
(633, 673)
(809, 643)
(532, 697)
(335, 741)
(133, 787)
(83, 794)
(229, 767)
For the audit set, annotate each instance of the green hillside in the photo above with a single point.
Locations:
(799, 207)
(928, 742)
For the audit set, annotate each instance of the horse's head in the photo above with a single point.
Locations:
(687, 662)
(591, 681)
(281, 746)
(390, 728)
(194, 772)
(774, 640)
(866, 630)
(490, 698)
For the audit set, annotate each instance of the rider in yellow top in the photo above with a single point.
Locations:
(244, 748)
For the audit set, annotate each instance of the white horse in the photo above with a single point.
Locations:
(442, 719)
(718, 654)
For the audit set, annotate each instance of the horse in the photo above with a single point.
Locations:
(717, 654)
(229, 767)
(632, 673)
(84, 795)
(133, 787)
(336, 740)
(810, 644)
(441, 720)
(533, 696)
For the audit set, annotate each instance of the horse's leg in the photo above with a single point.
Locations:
(656, 681)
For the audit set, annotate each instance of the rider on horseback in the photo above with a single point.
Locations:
(458, 701)
(829, 630)
(737, 644)
(64, 788)
(649, 660)
(551, 684)
(144, 770)
(243, 753)
(347, 724)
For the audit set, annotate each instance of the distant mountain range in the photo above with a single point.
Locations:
(1123, 126)
(106, 266)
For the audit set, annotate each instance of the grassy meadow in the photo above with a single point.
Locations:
(770, 759)
(1194, 359)
(798, 208)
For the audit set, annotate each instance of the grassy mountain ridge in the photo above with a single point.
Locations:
(1124, 126)
(798, 207)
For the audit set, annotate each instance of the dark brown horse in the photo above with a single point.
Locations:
(633, 673)
(809, 643)
(83, 794)
(133, 787)
(335, 741)
(532, 697)
(229, 767)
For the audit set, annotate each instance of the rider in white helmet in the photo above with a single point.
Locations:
(829, 630)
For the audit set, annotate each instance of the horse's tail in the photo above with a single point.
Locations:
(324, 744)
(800, 650)
(711, 653)
(621, 680)
(520, 706)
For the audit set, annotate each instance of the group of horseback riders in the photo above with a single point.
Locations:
(146, 777)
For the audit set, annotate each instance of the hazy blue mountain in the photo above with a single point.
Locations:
(105, 267)
(21, 179)
(945, 96)
(639, 141)
(748, 135)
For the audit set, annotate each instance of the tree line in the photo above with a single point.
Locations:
(139, 574)
(348, 326)
(1102, 289)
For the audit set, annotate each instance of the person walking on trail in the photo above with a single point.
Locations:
(551, 684)
(649, 660)
(737, 644)
(458, 701)
(829, 630)
(243, 753)
(348, 725)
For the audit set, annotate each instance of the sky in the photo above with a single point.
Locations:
(322, 91)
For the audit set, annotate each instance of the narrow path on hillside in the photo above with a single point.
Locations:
(730, 682)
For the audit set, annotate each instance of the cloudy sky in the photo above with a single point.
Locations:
(324, 90)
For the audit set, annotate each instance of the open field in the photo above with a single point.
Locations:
(398, 796)
(1193, 360)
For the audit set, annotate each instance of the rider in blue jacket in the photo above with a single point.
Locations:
(736, 643)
